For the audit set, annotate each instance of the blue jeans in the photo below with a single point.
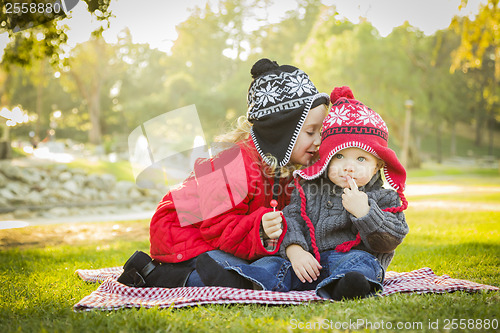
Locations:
(194, 279)
(276, 274)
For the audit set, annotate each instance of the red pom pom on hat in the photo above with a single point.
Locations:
(340, 92)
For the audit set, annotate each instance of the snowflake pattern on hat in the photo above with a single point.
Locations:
(368, 117)
(279, 100)
(337, 116)
(300, 85)
(351, 115)
(267, 95)
(276, 93)
(352, 124)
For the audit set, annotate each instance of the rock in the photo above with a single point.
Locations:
(7, 194)
(65, 176)
(101, 182)
(108, 181)
(59, 211)
(79, 179)
(78, 171)
(19, 189)
(30, 176)
(135, 193)
(10, 171)
(23, 214)
(124, 187)
(58, 184)
(63, 195)
(34, 198)
(89, 194)
(153, 193)
(72, 187)
(50, 196)
(3, 180)
(4, 203)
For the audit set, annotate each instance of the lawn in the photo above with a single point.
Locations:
(39, 285)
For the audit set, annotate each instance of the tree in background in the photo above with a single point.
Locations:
(210, 61)
(140, 93)
(204, 68)
(479, 50)
(378, 70)
(42, 43)
(280, 41)
(91, 70)
(46, 35)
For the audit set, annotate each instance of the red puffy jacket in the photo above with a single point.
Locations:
(220, 206)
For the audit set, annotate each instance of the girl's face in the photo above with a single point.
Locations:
(354, 162)
(309, 137)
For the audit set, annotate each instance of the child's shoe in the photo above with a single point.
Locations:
(213, 274)
(142, 271)
(351, 285)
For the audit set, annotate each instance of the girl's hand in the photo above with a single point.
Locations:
(271, 223)
(305, 266)
(354, 200)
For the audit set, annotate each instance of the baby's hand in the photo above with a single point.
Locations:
(271, 223)
(305, 266)
(354, 200)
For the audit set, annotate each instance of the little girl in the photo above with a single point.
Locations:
(343, 226)
(223, 208)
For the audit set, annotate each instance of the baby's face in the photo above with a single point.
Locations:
(354, 162)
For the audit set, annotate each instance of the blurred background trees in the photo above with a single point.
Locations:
(102, 91)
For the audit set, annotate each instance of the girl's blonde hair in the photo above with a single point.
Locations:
(241, 133)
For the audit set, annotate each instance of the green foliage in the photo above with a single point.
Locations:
(46, 38)
(478, 38)
(279, 41)
(112, 89)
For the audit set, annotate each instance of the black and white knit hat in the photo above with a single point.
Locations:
(279, 100)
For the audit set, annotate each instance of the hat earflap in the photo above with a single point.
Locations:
(312, 231)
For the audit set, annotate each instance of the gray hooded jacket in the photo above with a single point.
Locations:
(381, 232)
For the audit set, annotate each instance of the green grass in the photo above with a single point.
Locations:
(434, 173)
(39, 285)
(471, 197)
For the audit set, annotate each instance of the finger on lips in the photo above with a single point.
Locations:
(353, 184)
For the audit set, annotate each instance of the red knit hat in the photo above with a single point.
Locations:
(351, 124)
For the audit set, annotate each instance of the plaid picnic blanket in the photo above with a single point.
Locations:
(112, 295)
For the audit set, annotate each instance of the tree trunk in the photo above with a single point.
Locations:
(491, 132)
(439, 150)
(414, 161)
(479, 124)
(453, 143)
(5, 150)
(38, 108)
(95, 116)
(92, 95)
